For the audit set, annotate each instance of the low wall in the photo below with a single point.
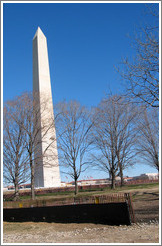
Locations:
(109, 209)
(108, 213)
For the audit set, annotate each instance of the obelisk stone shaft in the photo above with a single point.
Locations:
(47, 172)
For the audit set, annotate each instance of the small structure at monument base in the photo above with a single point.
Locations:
(113, 209)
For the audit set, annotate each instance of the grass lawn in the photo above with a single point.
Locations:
(99, 191)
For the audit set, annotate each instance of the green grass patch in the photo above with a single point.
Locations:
(89, 192)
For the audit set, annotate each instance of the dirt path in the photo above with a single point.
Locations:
(146, 205)
(81, 233)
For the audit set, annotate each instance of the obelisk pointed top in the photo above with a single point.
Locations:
(39, 33)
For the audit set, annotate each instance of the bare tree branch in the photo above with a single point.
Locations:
(114, 136)
(73, 128)
(142, 73)
(148, 136)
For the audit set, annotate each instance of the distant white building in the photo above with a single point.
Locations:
(91, 182)
(150, 176)
(127, 179)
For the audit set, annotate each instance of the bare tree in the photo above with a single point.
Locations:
(73, 127)
(30, 111)
(148, 136)
(142, 73)
(113, 137)
(104, 157)
(125, 133)
(38, 123)
(15, 166)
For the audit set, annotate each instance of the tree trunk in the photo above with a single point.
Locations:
(16, 196)
(121, 176)
(32, 181)
(112, 180)
(16, 183)
(76, 187)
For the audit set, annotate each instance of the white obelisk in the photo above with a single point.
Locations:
(47, 172)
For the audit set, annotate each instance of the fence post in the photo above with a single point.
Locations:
(128, 198)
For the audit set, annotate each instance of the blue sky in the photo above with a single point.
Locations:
(85, 42)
